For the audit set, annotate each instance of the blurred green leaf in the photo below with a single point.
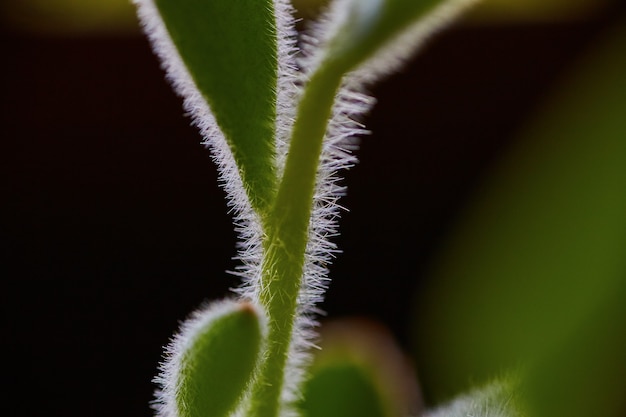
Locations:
(230, 49)
(342, 389)
(359, 372)
(496, 398)
(530, 274)
(586, 374)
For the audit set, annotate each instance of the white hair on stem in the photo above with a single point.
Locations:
(287, 93)
(340, 141)
(337, 155)
(351, 104)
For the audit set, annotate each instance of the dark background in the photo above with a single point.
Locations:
(113, 228)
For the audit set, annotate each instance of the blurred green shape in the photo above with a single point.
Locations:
(585, 375)
(534, 273)
(342, 389)
(359, 372)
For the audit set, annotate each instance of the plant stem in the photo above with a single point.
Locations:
(287, 232)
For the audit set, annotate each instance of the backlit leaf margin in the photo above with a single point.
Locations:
(212, 360)
(375, 37)
(533, 272)
(229, 56)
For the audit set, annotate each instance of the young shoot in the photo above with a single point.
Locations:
(279, 111)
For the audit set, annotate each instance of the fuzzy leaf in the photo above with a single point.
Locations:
(218, 361)
(229, 49)
(364, 29)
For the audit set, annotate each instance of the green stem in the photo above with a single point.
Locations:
(287, 232)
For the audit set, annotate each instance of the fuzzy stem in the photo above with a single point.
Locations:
(287, 233)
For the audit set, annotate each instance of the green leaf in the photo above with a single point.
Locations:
(365, 28)
(535, 271)
(342, 389)
(584, 373)
(230, 50)
(218, 363)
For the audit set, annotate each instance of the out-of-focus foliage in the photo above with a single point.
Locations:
(534, 274)
(360, 371)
